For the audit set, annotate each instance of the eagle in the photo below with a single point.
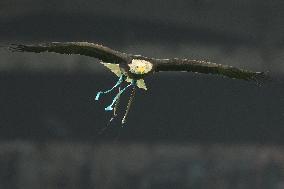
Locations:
(132, 69)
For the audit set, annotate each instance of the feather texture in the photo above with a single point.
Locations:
(106, 54)
(206, 68)
(82, 48)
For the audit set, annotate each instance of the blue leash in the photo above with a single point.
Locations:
(120, 80)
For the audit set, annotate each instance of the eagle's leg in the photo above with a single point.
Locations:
(120, 80)
(130, 101)
(109, 108)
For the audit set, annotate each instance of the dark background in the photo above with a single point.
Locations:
(49, 116)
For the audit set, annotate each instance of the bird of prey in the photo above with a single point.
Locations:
(132, 69)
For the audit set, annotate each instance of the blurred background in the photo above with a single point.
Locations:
(187, 131)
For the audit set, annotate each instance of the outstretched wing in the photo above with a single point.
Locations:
(82, 48)
(205, 67)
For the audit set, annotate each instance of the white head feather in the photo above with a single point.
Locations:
(138, 66)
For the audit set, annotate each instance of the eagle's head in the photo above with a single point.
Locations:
(140, 67)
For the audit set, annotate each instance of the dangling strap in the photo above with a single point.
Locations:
(120, 80)
(109, 108)
(130, 101)
(115, 109)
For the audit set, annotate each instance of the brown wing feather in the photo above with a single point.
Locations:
(206, 67)
(82, 48)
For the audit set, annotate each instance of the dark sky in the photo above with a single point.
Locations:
(48, 95)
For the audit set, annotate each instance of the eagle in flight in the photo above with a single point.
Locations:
(132, 69)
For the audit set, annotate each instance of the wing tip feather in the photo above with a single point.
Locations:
(260, 78)
(16, 47)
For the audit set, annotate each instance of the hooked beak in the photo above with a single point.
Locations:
(141, 70)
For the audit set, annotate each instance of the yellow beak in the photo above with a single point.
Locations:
(141, 70)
